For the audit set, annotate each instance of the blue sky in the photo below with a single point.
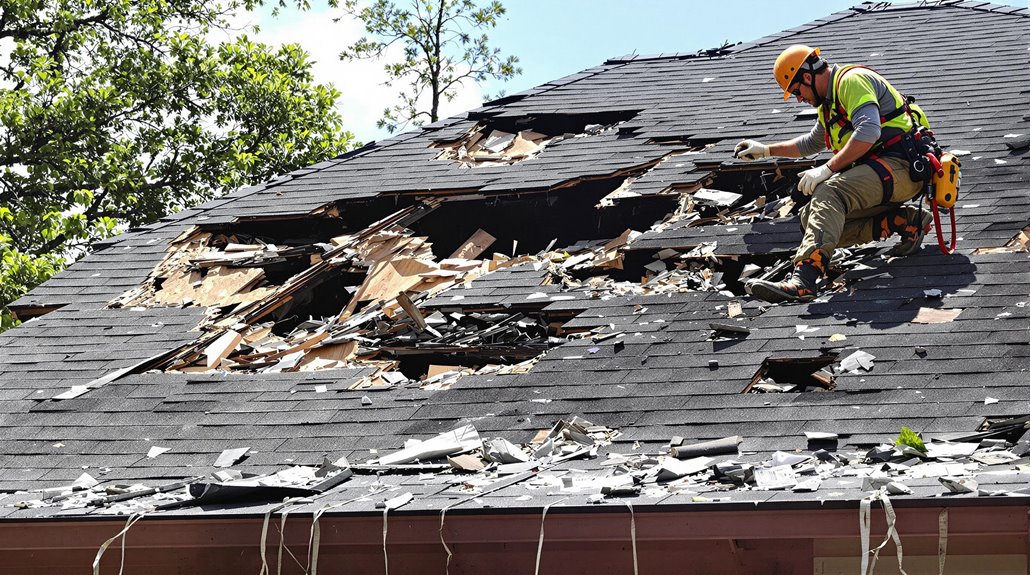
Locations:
(552, 39)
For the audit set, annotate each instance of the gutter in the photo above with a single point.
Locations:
(486, 526)
(689, 539)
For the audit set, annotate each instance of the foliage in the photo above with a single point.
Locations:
(911, 439)
(115, 112)
(444, 44)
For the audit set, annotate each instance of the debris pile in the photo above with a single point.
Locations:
(708, 206)
(380, 278)
(670, 272)
(221, 487)
(379, 315)
(716, 466)
(477, 465)
(207, 269)
(357, 299)
(495, 148)
(458, 452)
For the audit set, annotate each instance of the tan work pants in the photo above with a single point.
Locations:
(844, 209)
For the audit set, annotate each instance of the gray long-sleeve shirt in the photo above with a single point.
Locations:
(866, 120)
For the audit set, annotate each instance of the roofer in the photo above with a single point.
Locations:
(857, 196)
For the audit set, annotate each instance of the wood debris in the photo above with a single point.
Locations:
(484, 147)
(1018, 244)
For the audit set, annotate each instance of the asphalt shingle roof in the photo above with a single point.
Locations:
(658, 381)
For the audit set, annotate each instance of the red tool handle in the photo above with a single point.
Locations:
(936, 165)
(937, 226)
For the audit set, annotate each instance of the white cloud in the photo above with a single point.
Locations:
(361, 83)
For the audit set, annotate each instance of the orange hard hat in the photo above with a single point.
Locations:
(789, 62)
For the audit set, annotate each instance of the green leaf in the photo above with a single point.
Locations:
(911, 439)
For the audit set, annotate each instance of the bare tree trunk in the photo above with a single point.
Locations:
(434, 112)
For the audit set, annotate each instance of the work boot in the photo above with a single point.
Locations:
(904, 223)
(800, 286)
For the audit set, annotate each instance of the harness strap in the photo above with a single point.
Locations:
(840, 114)
(883, 172)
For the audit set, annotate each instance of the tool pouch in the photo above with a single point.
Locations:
(918, 167)
(946, 186)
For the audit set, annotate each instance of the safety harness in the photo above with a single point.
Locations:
(917, 145)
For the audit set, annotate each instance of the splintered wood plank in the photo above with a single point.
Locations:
(620, 241)
(475, 245)
(412, 311)
(387, 279)
(222, 347)
(522, 147)
(257, 333)
(220, 286)
(334, 351)
(318, 337)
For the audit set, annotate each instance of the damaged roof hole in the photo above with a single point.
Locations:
(356, 305)
(504, 140)
(793, 375)
(727, 197)
(228, 265)
(736, 196)
(686, 143)
(529, 223)
(469, 342)
(700, 269)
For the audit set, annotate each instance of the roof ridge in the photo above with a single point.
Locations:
(977, 5)
(1009, 9)
(729, 49)
(830, 19)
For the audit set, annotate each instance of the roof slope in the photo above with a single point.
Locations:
(666, 375)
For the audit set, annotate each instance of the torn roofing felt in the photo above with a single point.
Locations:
(585, 260)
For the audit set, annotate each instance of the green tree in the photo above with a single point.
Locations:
(445, 44)
(115, 112)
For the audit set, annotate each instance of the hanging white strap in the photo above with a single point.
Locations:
(386, 558)
(315, 537)
(447, 568)
(864, 522)
(264, 531)
(123, 533)
(540, 543)
(633, 536)
(865, 519)
(942, 540)
(314, 541)
(282, 543)
(892, 529)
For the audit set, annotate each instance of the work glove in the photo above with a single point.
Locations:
(751, 150)
(813, 177)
